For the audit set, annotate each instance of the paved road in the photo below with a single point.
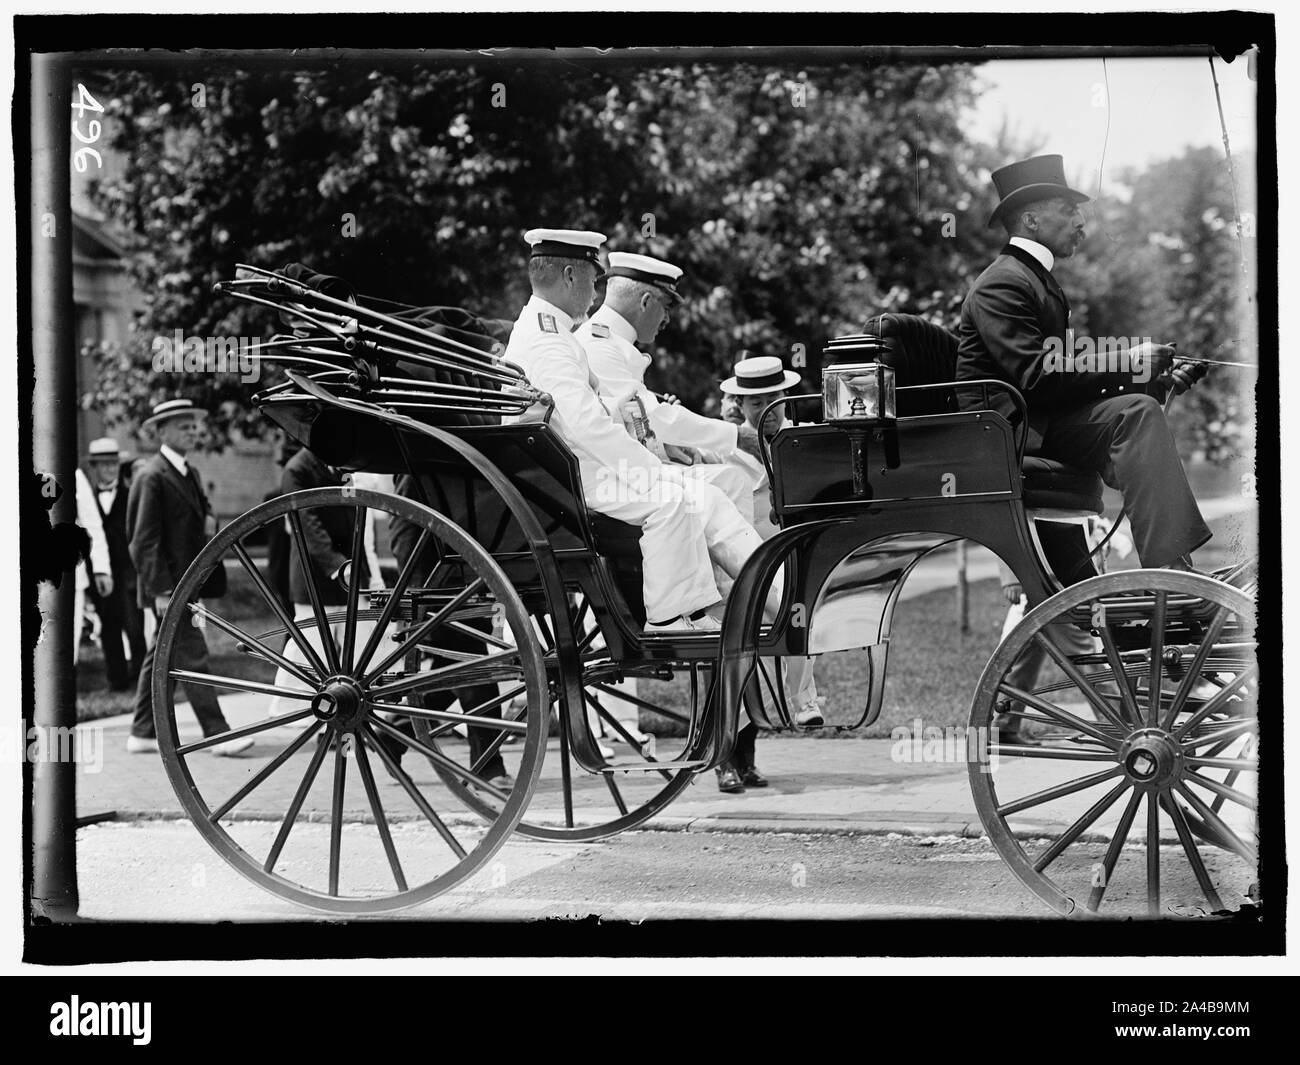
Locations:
(163, 871)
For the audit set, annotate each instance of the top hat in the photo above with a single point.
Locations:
(1031, 180)
(173, 408)
(757, 375)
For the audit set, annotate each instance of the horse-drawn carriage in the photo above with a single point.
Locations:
(510, 582)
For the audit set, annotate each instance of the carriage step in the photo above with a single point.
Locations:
(652, 767)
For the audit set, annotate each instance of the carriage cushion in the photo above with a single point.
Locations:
(1048, 483)
(921, 353)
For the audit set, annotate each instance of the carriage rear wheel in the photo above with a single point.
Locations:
(329, 683)
(1146, 747)
(570, 804)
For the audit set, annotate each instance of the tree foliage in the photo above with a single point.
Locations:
(799, 202)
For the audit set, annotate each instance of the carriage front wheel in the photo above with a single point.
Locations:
(324, 810)
(1117, 739)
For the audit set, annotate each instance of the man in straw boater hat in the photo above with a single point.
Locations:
(687, 526)
(1111, 421)
(169, 521)
(119, 614)
(639, 293)
(756, 381)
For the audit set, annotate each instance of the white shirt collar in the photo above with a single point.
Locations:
(1039, 251)
(176, 459)
(564, 321)
(618, 325)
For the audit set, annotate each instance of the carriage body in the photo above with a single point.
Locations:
(510, 514)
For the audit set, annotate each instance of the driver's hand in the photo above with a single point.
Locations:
(1159, 357)
(103, 585)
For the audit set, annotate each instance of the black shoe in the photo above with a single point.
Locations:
(752, 778)
(729, 780)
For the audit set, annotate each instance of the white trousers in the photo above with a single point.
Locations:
(731, 480)
(688, 525)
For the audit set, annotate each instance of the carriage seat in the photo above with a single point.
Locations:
(924, 353)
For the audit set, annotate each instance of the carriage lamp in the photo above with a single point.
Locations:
(859, 398)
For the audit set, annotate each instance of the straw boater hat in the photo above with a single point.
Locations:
(757, 375)
(661, 275)
(103, 449)
(1031, 180)
(173, 408)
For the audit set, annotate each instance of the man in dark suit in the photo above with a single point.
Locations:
(169, 521)
(1014, 328)
(118, 611)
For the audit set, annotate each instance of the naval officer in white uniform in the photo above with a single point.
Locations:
(687, 527)
(639, 292)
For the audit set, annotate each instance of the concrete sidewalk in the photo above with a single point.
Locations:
(914, 787)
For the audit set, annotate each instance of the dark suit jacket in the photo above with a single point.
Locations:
(114, 520)
(165, 515)
(328, 531)
(1012, 310)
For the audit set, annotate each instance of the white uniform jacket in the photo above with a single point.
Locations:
(620, 366)
(543, 345)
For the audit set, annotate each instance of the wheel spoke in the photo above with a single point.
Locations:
(1244, 765)
(1060, 790)
(627, 697)
(242, 731)
(1217, 702)
(265, 772)
(477, 711)
(1153, 855)
(440, 758)
(453, 718)
(617, 795)
(1157, 651)
(291, 815)
(1120, 675)
(458, 675)
(1247, 725)
(189, 676)
(278, 609)
(427, 625)
(408, 785)
(1223, 789)
(1062, 716)
(1113, 851)
(274, 657)
(1077, 829)
(1216, 824)
(359, 519)
(609, 719)
(377, 808)
(1194, 670)
(1067, 754)
(1090, 693)
(313, 593)
(1193, 855)
(481, 636)
(390, 607)
(336, 814)
(566, 771)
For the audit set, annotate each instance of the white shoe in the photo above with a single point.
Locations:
(642, 741)
(683, 624)
(232, 747)
(141, 744)
(810, 714)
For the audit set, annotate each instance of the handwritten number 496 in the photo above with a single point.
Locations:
(85, 102)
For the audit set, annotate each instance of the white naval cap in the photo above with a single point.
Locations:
(759, 374)
(662, 275)
(566, 243)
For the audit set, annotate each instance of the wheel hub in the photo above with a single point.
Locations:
(339, 701)
(1151, 758)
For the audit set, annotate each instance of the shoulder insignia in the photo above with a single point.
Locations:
(599, 329)
(547, 322)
